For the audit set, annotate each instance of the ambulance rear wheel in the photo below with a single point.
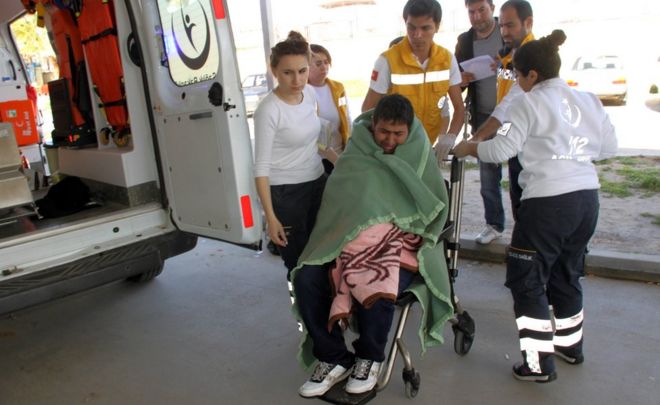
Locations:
(147, 275)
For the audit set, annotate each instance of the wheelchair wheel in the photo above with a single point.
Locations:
(412, 380)
(462, 342)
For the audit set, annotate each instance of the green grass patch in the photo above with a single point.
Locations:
(645, 178)
(656, 218)
(617, 189)
(630, 160)
(624, 176)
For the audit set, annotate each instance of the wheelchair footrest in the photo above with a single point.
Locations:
(337, 395)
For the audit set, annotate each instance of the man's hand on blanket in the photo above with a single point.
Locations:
(276, 232)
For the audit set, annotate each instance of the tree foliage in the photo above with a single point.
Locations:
(32, 41)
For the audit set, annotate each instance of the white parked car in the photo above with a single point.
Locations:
(255, 88)
(602, 75)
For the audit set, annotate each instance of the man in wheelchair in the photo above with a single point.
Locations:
(383, 208)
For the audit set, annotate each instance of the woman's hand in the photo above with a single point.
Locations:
(329, 154)
(276, 232)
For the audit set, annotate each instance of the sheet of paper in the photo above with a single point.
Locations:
(480, 66)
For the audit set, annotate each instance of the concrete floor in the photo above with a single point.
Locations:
(215, 328)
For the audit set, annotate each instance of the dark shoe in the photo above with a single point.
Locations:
(570, 358)
(272, 248)
(523, 373)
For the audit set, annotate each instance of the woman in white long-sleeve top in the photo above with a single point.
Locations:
(556, 132)
(288, 170)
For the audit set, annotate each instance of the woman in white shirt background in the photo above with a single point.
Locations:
(556, 132)
(332, 101)
(288, 171)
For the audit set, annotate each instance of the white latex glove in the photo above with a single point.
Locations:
(443, 146)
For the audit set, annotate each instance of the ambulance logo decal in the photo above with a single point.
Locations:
(570, 113)
(192, 62)
(504, 129)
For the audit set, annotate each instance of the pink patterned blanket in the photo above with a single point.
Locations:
(368, 268)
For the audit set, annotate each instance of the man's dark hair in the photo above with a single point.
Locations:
(422, 8)
(394, 108)
(541, 55)
(468, 2)
(523, 8)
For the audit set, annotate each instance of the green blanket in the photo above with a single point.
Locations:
(369, 187)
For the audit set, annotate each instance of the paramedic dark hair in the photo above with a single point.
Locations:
(394, 108)
(523, 8)
(541, 55)
(421, 8)
(294, 44)
(320, 49)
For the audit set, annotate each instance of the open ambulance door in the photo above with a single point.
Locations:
(203, 138)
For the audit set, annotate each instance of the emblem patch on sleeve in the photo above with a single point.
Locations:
(374, 75)
(504, 129)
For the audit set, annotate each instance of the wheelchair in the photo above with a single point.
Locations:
(463, 326)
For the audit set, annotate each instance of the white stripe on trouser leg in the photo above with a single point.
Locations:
(538, 345)
(569, 340)
(539, 325)
(533, 361)
(532, 347)
(290, 285)
(565, 323)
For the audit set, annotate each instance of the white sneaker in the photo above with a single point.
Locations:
(325, 375)
(487, 235)
(364, 376)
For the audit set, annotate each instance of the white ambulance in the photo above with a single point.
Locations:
(181, 166)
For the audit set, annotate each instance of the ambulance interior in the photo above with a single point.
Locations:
(65, 114)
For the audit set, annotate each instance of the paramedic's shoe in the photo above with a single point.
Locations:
(570, 358)
(523, 373)
(364, 376)
(325, 375)
(487, 235)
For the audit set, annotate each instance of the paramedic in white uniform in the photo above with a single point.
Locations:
(556, 132)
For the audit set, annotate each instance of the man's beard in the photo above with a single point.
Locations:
(485, 27)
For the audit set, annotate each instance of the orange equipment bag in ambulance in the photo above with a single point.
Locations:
(20, 113)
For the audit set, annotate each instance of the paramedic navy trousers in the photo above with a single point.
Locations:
(296, 206)
(314, 298)
(544, 264)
